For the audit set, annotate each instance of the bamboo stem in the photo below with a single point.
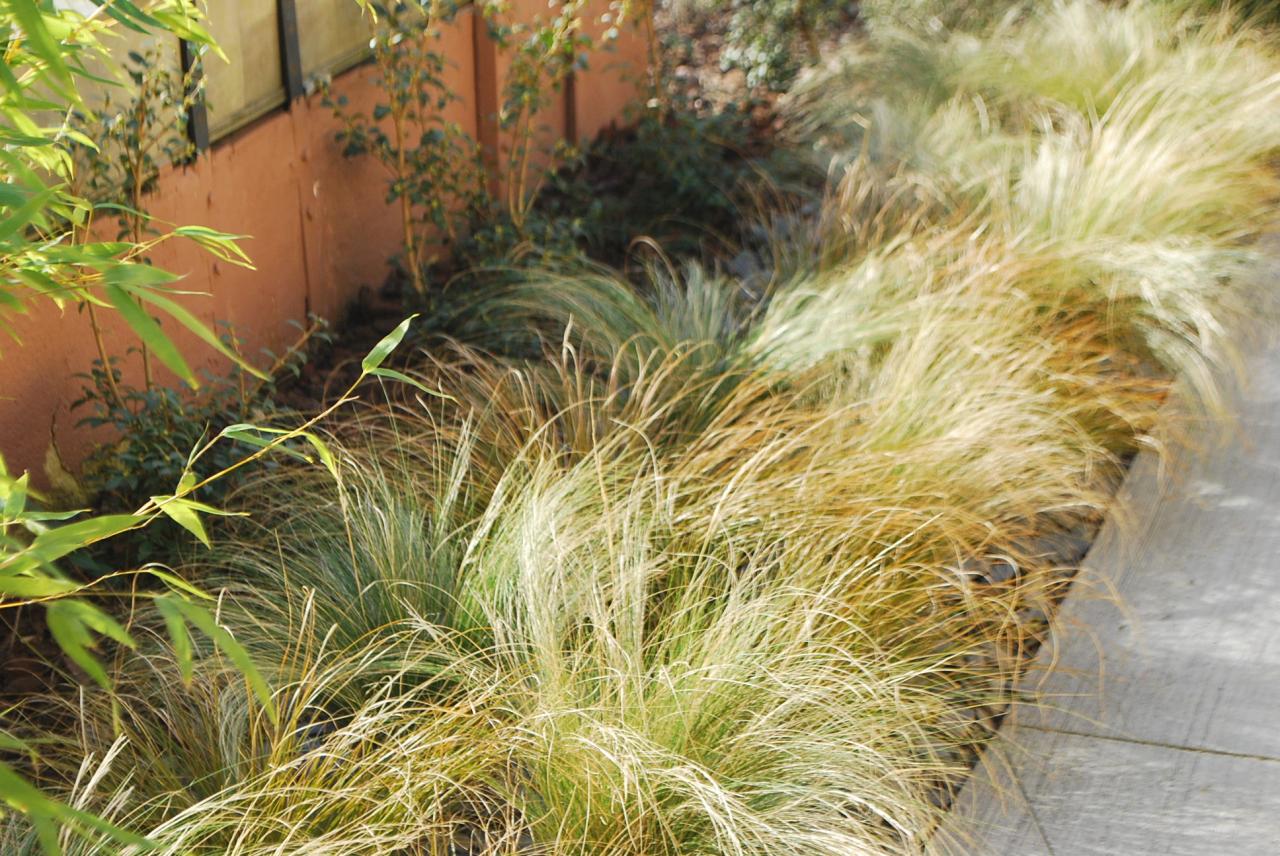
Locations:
(135, 216)
(107, 368)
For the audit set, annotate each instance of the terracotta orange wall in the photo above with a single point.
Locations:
(319, 229)
(597, 97)
(615, 77)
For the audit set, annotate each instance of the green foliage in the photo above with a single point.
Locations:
(47, 815)
(439, 175)
(770, 40)
(48, 250)
(734, 564)
(159, 426)
(542, 55)
(33, 550)
(435, 170)
(138, 129)
(544, 237)
(674, 176)
(33, 543)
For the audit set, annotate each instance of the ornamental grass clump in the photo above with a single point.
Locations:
(644, 689)
(684, 700)
(192, 763)
(1133, 171)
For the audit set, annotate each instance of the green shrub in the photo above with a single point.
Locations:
(440, 177)
(673, 176)
(158, 427)
(771, 39)
(435, 168)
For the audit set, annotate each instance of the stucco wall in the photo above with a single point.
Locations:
(319, 229)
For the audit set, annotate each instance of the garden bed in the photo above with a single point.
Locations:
(740, 551)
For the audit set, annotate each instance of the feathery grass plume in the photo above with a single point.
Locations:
(705, 566)
(833, 330)
(609, 318)
(198, 771)
(371, 555)
(1099, 51)
(1157, 260)
(768, 641)
(663, 357)
(1130, 174)
(682, 700)
(828, 345)
(640, 693)
(934, 16)
(386, 545)
(959, 431)
(955, 425)
(1168, 83)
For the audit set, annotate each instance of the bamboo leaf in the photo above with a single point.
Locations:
(15, 497)
(383, 349)
(184, 317)
(222, 244)
(110, 9)
(203, 620)
(150, 333)
(53, 544)
(42, 43)
(100, 622)
(322, 452)
(68, 629)
(24, 214)
(45, 813)
(179, 636)
(252, 435)
(185, 514)
(392, 374)
(128, 14)
(177, 583)
(35, 586)
(133, 277)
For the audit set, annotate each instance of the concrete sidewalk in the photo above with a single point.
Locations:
(1169, 742)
